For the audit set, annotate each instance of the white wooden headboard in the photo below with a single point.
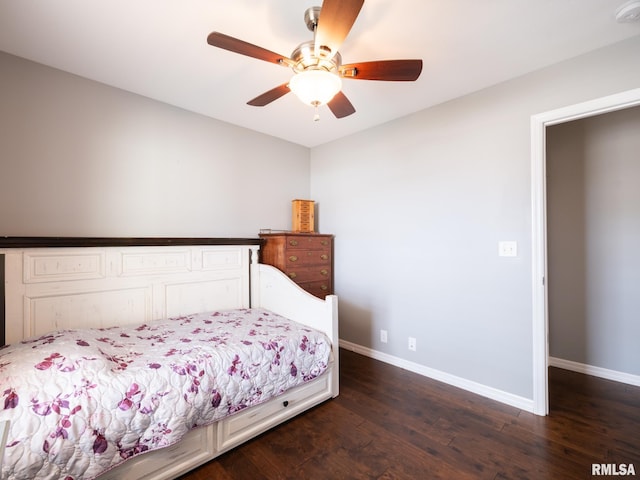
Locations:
(56, 284)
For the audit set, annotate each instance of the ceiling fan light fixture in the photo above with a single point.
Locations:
(315, 87)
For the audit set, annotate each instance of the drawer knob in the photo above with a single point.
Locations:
(293, 275)
(293, 243)
(324, 288)
(325, 243)
(293, 258)
(324, 272)
(324, 256)
(285, 403)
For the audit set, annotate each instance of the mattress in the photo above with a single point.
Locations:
(81, 402)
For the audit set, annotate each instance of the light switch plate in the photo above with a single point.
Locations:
(508, 249)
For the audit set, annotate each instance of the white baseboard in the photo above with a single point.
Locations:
(468, 385)
(614, 375)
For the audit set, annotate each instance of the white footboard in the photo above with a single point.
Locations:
(273, 290)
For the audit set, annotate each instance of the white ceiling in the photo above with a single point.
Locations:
(158, 48)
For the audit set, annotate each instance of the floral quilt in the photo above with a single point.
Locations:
(81, 402)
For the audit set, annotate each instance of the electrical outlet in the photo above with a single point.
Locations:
(412, 344)
(383, 336)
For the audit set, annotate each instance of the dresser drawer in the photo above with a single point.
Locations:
(308, 242)
(319, 289)
(308, 274)
(307, 257)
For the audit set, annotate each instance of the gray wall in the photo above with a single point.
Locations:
(81, 158)
(593, 194)
(419, 205)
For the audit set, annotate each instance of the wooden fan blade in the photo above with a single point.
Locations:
(232, 44)
(268, 97)
(389, 70)
(335, 21)
(340, 106)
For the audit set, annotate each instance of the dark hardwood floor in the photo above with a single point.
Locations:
(388, 423)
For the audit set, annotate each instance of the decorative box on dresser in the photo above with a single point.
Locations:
(307, 258)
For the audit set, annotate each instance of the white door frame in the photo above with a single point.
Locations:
(539, 123)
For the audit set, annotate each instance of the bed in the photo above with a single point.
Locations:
(135, 310)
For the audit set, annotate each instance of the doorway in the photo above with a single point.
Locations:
(539, 222)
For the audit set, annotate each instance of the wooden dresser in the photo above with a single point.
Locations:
(307, 258)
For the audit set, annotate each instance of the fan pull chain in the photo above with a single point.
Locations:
(316, 115)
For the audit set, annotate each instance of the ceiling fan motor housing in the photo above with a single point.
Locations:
(305, 58)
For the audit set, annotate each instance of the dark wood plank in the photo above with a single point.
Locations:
(392, 424)
(63, 242)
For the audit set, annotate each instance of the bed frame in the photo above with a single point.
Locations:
(56, 283)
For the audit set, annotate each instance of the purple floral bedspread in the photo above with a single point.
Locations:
(83, 401)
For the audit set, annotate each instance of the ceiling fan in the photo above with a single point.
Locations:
(317, 64)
